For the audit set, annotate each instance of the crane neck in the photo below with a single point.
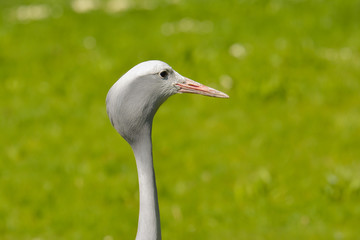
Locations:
(149, 216)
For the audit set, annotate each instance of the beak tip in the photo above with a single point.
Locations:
(226, 96)
(220, 95)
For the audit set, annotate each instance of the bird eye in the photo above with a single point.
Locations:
(164, 74)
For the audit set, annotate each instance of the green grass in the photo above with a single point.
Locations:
(280, 159)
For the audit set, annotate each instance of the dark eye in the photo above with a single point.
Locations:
(164, 74)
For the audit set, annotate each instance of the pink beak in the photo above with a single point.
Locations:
(190, 86)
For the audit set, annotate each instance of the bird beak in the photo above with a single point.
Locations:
(190, 86)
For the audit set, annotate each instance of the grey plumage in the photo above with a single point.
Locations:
(131, 104)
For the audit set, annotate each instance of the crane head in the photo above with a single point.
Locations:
(133, 100)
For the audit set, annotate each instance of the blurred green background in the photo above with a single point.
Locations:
(280, 159)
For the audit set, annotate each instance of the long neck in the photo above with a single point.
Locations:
(149, 216)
